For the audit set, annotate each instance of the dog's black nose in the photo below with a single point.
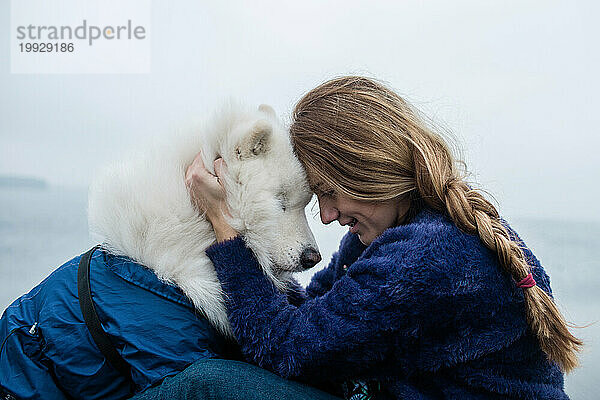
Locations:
(309, 258)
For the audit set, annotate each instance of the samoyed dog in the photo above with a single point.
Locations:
(141, 207)
(155, 292)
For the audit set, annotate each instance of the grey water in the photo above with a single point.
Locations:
(42, 228)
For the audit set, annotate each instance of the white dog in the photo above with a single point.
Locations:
(153, 250)
(141, 208)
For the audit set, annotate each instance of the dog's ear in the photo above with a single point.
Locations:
(267, 109)
(257, 140)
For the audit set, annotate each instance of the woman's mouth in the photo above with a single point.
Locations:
(353, 225)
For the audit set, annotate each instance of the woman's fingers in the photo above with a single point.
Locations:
(206, 190)
(198, 178)
(196, 172)
(220, 168)
(208, 194)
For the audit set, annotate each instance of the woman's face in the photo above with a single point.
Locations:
(367, 219)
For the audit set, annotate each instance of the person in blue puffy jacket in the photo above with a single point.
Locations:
(430, 296)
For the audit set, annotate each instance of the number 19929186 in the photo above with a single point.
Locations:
(46, 47)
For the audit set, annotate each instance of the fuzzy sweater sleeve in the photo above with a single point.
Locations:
(423, 300)
(338, 335)
(296, 294)
(322, 281)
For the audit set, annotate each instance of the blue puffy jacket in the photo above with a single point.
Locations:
(48, 353)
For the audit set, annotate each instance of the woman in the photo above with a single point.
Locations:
(431, 294)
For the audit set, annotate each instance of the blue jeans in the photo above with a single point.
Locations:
(216, 379)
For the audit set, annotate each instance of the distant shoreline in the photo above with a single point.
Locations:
(7, 181)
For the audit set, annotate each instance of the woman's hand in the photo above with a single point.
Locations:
(208, 195)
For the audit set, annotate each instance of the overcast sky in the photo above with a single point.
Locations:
(515, 81)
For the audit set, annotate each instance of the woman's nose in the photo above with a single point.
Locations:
(327, 211)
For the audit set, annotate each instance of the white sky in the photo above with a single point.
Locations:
(515, 81)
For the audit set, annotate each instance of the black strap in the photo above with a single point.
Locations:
(91, 317)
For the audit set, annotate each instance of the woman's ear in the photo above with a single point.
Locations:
(404, 209)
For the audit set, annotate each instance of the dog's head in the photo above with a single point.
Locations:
(267, 190)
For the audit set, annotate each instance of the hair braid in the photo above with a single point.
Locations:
(442, 189)
(358, 138)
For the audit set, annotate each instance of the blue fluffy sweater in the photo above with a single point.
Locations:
(425, 310)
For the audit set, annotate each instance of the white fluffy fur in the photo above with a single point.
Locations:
(140, 208)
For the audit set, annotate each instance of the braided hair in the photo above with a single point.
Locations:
(356, 137)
